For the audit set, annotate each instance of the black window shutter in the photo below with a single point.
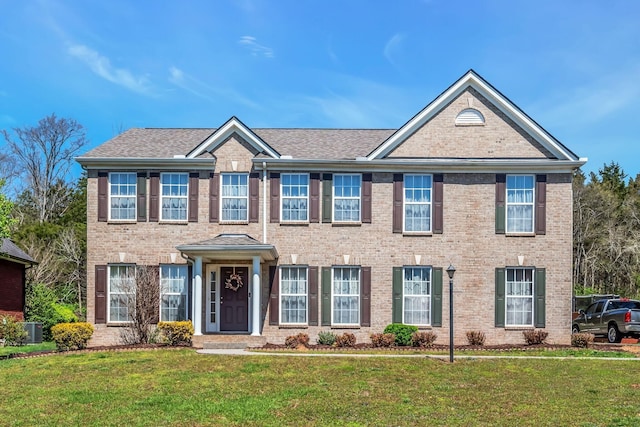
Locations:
(103, 196)
(437, 203)
(154, 196)
(101, 294)
(326, 297)
(396, 307)
(214, 200)
(327, 197)
(141, 189)
(275, 197)
(500, 297)
(365, 296)
(194, 180)
(501, 194)
(313, 296)
(314, 198)
(541, 204)
(436, 297)
(274, 296)
(254, 195)
(539, 302)
(366, 198)
(397, 202)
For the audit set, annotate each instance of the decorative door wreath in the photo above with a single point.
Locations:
(234, 282)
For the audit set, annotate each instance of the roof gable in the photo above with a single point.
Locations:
(10, 251)
(233, 125)
(472, 80)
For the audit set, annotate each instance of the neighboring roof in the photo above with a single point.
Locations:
(10, 251)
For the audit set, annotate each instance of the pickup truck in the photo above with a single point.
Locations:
(614, 318)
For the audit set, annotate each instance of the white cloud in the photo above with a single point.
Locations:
(256, 48)
(101, 66)
(392, 48)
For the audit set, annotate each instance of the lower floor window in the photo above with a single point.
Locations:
(122, 293)
(346, 296)
(519, 296)
(416, 296)
(293, 295)
(173, 293)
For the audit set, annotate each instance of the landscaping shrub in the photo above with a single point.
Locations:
(345, 340)
(68, 336)
(42, 306)
(582, 339)
(177, 333)
(383, 340)
(402, 332)
(294, 341)
(12, 331)
(476, 337)
(423, 339)
(534, 336)
(326, 338)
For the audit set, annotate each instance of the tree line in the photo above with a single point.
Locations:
(43, 210)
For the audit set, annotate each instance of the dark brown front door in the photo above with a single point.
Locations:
(234, 301)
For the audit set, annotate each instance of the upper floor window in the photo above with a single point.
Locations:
(346, 198)
(295, 197)
(174, 196)
(293, 295)
(345, 296)
(173, 293)
(417, 203)
(519, 296)
(235, 197)
(520, 203)
(122, 196)
(122, 293)
(416, 298)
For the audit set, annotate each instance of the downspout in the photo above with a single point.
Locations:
(264, 202)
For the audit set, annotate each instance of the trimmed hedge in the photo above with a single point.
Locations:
(69, 336)
(177, 333)
(402, 332)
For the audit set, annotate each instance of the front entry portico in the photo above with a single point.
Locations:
(226, 284)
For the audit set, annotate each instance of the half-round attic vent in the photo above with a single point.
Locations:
(470, 116)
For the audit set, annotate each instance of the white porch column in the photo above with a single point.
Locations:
(255, 298)
(197, 296)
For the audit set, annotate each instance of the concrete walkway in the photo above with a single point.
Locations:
(242, 352)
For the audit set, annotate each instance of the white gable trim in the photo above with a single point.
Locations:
(471, 79)
(232, 126)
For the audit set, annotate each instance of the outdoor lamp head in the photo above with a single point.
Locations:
(450, 270)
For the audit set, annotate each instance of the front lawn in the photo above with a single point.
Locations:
(29, 348)
(180, 387)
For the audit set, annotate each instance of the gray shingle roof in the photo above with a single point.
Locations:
(8, 249)
(229, 240)
(317, 144)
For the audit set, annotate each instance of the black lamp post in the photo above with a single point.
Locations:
(450, 271)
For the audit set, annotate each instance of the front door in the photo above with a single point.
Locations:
(234, 299)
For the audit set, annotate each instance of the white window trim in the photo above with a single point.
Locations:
(531, 297)
(186, 291)
(507, 204)
(223, 197)
(430, 295)
(359, 294)
(135, 198)
(404, 204)
(301, 221)
(333, 200)
(282, 294)
(133, 266)
(185, 197)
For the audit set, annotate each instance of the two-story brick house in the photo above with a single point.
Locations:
(271, 232)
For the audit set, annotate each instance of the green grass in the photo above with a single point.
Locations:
(31, 348)
(182, 388)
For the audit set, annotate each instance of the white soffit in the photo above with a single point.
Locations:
(471, 79)
(232, 126)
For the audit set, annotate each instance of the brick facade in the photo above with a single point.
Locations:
(12, 289)
(469, 240)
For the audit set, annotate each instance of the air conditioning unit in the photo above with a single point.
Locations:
(34, 332)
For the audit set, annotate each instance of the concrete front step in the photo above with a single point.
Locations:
(227, 341)
(224, 345)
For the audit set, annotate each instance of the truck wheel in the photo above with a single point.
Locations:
(613, 335)
(575, 329)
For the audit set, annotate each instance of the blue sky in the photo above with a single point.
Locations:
(573, 66)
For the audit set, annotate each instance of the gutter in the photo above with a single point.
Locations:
(132, 163)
